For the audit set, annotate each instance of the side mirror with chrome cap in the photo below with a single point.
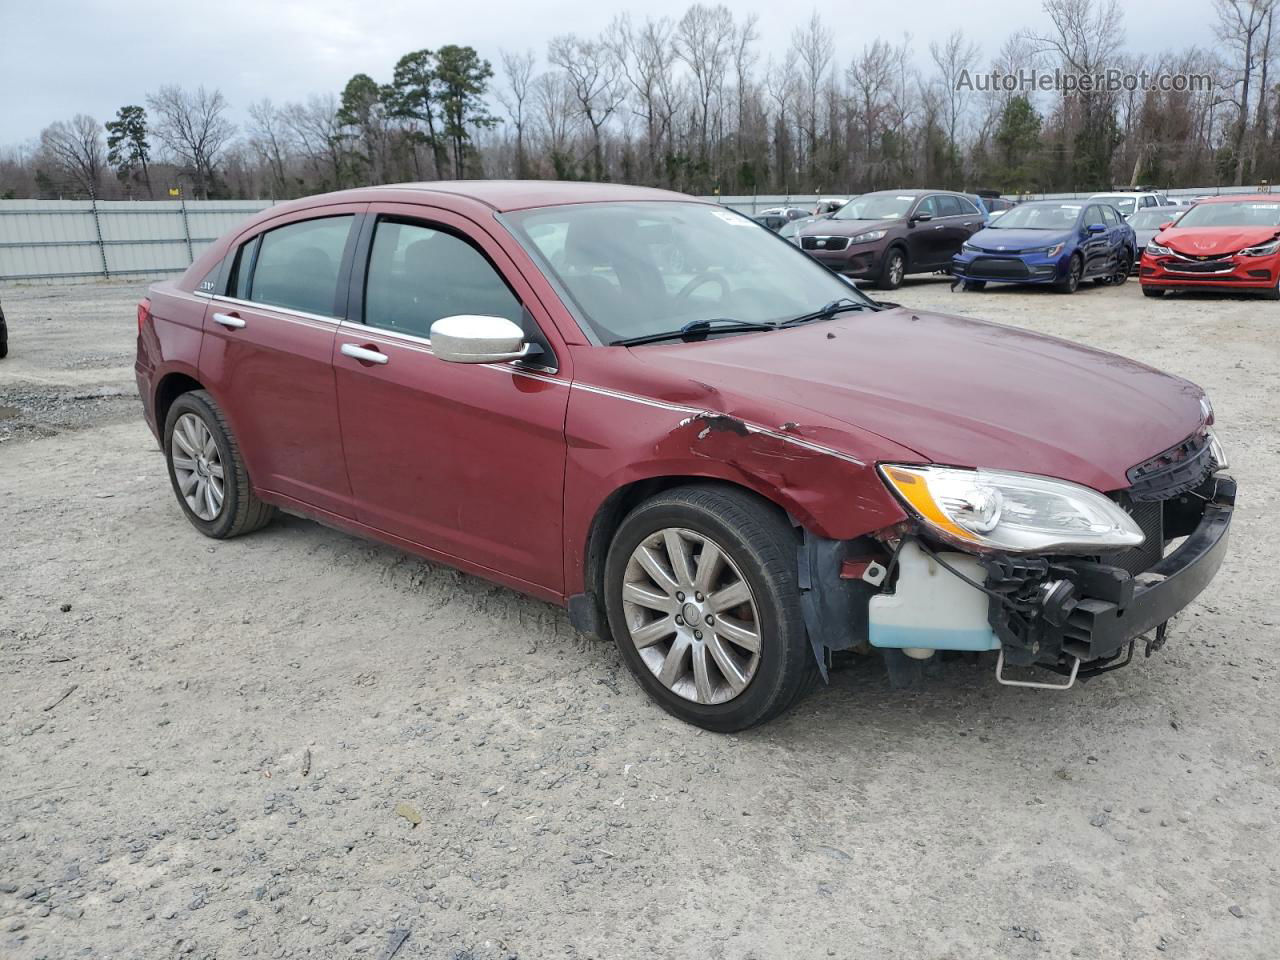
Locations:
(468, 338)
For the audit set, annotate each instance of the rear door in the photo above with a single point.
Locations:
(268, 348)
(961, 220)
(464, 459)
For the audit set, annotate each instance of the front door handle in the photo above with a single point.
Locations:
(228, 320)
(363, 354)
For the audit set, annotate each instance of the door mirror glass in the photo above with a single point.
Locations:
(1097, 228)
(467, 338)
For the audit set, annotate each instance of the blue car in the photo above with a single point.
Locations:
(1059, 242)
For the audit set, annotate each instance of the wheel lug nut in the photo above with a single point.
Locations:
(698, 596)
(710, 619)
(680, 597)
(697, 634)
(680, 621)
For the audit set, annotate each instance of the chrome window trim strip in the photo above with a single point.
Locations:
(287, 311)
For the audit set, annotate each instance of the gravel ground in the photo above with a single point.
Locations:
(299, 744)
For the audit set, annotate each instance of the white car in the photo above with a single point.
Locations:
(1130, 201)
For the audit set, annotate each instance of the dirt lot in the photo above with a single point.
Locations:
(300, 744)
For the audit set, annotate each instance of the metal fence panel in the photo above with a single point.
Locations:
(81, 239)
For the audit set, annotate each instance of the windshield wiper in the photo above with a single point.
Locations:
(695, 330)
(829, 311)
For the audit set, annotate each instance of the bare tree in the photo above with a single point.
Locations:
(646, 58)
(593, 73)
(813, 49)
(269, 138)
(518, 68)
(315, 130)
(868, 77)
(1244, 25)
(75, 151)
(192, 126)
(554, 97)
(703, 40)
(954, 58)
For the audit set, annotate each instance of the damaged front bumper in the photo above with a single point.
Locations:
(1073, 615)
(1044, 611)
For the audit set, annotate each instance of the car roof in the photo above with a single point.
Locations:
(504, 195)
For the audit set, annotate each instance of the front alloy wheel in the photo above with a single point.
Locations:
(701, 592)
(1072, 280)
(691, 616)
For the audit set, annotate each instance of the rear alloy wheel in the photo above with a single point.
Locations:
(893, 269)
(701, 592)
(207, 471)
(1123, 268)
(1071, 282)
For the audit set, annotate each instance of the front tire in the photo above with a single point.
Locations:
(975, 285)
(703, 603)
(1071, 282)
(207, 472)
(893, 269)
(1152, 292)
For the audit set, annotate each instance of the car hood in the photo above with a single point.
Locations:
(1206, 241)
(956, 391)
(849, 228)
(995, 238)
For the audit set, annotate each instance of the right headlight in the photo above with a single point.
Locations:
(1156, 250)
(1015, 512)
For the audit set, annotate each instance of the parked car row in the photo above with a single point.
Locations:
(1229, 242)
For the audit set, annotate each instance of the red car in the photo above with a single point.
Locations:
(696, 438)
(1222, 243)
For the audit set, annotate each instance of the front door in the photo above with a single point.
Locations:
(267, 351)
(464, 459)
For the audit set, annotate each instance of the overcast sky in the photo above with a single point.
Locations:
(60, 57)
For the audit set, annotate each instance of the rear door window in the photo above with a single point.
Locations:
(950, 207)
(297, 266)
(419, 274)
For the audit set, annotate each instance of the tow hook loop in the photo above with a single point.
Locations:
(1154, 645)
(1001, 678)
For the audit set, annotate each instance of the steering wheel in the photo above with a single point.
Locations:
(701, 280)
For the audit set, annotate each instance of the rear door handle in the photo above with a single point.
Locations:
(363, 354)
(228, 320)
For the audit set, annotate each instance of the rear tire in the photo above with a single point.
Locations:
(756, 561)
(207, 471)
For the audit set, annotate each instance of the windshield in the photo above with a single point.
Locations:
(637, 269)
(1152, 217)
(1037, 216)
(1252, 213)
(876, 206)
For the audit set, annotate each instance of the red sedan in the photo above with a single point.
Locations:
(1222, 243)
(704, 444)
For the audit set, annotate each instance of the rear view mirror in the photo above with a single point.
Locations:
(467, 338)
(1097, 228)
